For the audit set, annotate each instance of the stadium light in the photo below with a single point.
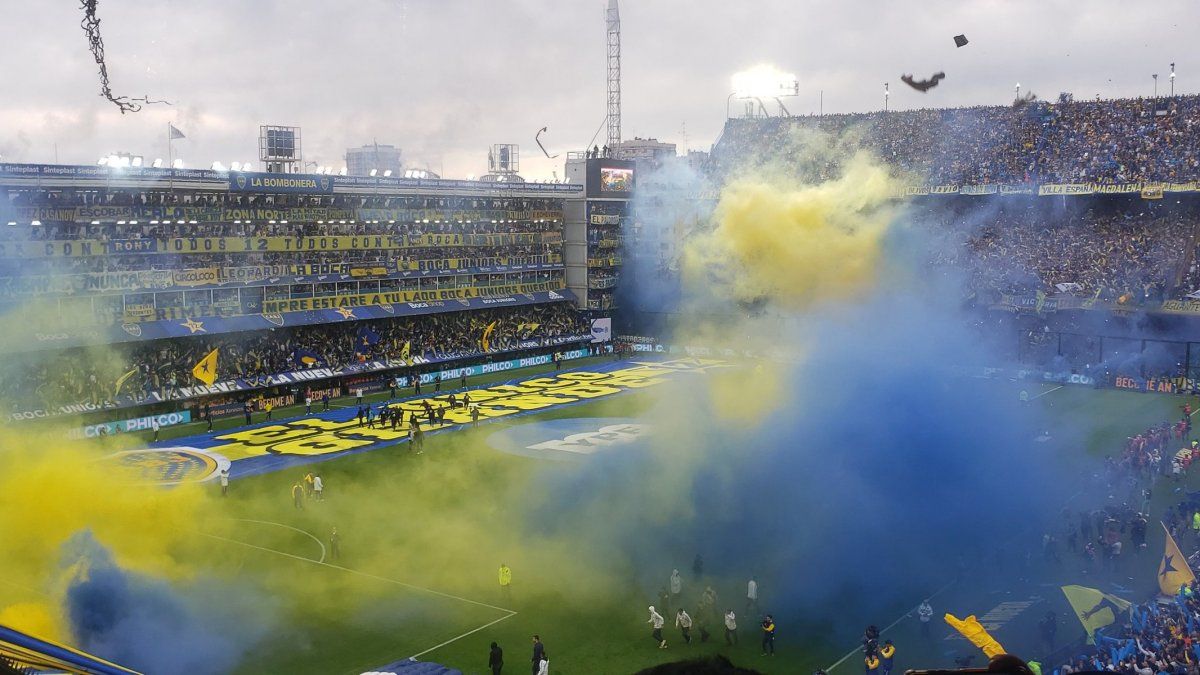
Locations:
(283, 222)
(470, 176)
(154, 222)
(387, 174)
(157, 163)
(764, 81)
(102, 161)
(217, 166)
(235, 166)
(373, 172)
(137, 162)
(35, 223)
(177, 164)
(342, 172)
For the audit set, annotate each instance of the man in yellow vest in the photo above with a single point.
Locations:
(887, 657)
(872, 663)
(505, 582)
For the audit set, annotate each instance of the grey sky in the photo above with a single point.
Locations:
(444, 79)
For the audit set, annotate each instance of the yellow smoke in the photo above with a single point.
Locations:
(796, 244)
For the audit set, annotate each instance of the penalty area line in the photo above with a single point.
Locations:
(489, 624)
(1048, 391)
(357, 572)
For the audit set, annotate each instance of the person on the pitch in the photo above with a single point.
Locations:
(335, 545)
(656, 624)
(731, 637)
(298, 496)
(768, 635)
(539, 653)
(318, 487)
(872, 663)
(676, 582)
(505, 582)
(224, 482)
(925, 613)
(496, 659)
(887, 657)
(683, 621)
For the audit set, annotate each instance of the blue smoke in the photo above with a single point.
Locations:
(880, 475)
(151, 626)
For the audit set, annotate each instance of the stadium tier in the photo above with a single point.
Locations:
(316, 276)
(1075, 146)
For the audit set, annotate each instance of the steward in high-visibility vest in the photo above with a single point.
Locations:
(873, 663)
(887, 655)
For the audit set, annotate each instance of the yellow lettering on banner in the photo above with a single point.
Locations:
(534, 401)
(320, 445)
(266, 435)
(588, 391)
(384, 434)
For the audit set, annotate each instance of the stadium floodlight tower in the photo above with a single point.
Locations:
(763, 81)
(613, 16)
(279, 148)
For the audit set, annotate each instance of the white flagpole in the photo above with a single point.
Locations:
(170, 159)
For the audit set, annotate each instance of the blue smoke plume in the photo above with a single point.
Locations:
(152, 626)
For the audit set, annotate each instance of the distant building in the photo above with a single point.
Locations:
(697, 160)
(648, 152)
(380, 158)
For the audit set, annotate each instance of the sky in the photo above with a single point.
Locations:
(446, 79)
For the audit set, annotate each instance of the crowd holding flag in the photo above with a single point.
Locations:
(406, 352)
(526, 330)
(485, 340)
(1173, 570)
(364, 339)
(1095, 609)
(206, 369)
(122, 380)
(307, 358)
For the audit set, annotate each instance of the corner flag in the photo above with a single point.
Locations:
(1173, 570)
(173, 132)
(1095, 609)
(206, 369)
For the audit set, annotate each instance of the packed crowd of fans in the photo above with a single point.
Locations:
(163, 366)
(1102, 141)
(1132, 255)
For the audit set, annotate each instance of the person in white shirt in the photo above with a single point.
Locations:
(224, 482)
(318, 488)
(683, 621)
(308, 405)
(656, 623)
(925, 613)
(730, 627)
(752, 597)
(544, 666)
(676, 587)
(154, 426)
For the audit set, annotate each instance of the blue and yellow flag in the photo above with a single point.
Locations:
(406, 352)
(1095, 609)
(1173, 570)
(206, 369)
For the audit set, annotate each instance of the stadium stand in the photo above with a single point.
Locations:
(1104, 141)
(116, 284)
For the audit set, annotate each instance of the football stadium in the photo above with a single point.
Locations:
(907, 385)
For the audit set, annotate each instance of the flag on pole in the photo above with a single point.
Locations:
(1173, 570)
(1095, 609)
(206, 369)
(175, 133)
(406, 351)
(974, 631)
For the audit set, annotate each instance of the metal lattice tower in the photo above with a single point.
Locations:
(614, 76)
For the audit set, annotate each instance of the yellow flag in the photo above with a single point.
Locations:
(1095, 609)
(974, 631)
(206, 369)
(486, 340)
(406, 351)
(122, 380)
(1173, 570)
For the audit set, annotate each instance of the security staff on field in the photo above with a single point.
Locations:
(505, 581)
(872, 662)
(887, 657)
